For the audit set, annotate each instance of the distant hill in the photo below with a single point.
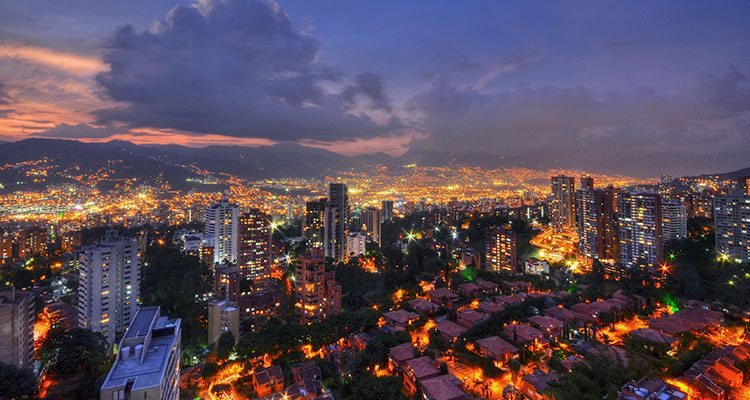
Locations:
(735, 174)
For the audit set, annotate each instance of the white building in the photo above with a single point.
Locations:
(357, 244)
(109, 283)
(732, 220)
(148, 362)
(673, 220)
(222, 226)
(536, 267)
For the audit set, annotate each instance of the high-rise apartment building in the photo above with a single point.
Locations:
(253, 251)
(223, 316)
(318, 293)
(562, 204)
(337, 223)
(673, 220)
(387, 206)
(732, 221)
(640, 229)
(313, 228)
(17, 328)
(597, 230)
(109, 283)
(222, 224)
(356, 245)
(148, 362)
(500, 249)
(371, 223)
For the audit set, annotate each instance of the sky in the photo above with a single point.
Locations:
(638, 87)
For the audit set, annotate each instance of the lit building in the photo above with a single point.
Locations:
(597, 231)
(640, 229)
(356, 245)
(253, 251)
(500, 249)
(673, 220)
(313, 228)
(148, 362)
(732, 221)
(70, 241)
(222, 220)
(387, 206)
(223, 316)
(562, 204)
(32, 241)
(17, 328)
(371, 224)
(336, 230)
(318, 293)
(6, 245)
(109, 285)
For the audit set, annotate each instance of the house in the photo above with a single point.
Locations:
(468, 318)
(527, 336)
(443, 296)
(688, 319)
(399, 319)
(497, 349)
(489, 307)
(398, 355)
(469, 289)
(718, 370)
(650, 388)
(571, 318)
(267, 380)
(510, 300)
(534, 386)
(423, 307)
(488, 286)
(552, 327)
(450, 331)
(517, 286)
(308, 378)
(418, 370)
(444, 387)
(655, 336)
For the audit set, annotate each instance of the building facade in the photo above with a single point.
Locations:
(732, 221)
(318, 293)
(500, 249)
(223, 316)
(313, 228)
(562, 202)
(674, 220)
(253, 250)
(222, 225)
(597, 229)
(336, 231)
(371, 222)
(640, 230)
(109, 284)
(17, 319)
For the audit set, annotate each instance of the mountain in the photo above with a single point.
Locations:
(740, 173)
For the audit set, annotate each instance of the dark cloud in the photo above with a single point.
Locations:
(4, 96)
(635, 131)
(239, 68)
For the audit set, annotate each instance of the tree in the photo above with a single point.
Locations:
(515, 367)
(225, 345)
(16, 383)
(370, 387)
(599, 377)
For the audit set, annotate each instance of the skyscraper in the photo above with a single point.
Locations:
(222, 221)
(500, 249)
(318, 293)
(17, 318)
(337, 223)
(597, 232)
(640, 229)
(371, 224)
(562, 204)
(315, 221)
(674, 220)
(387, 206)
(732, 221)
(148, 362)
(109, 283)
(253, 252)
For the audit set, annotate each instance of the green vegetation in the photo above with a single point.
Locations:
(16, 383)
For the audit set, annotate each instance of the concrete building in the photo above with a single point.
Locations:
(597, 229)
(336, 231)
(223, 316)
(387, 210)
(673, 220)
(253, 250)
(356, 245)
(732, 221)
(500, 249)
(318, 293)
(313, 228)
(17, 319)
(148, 362)
(562, 204)
(640, 230)
(222, 225)
(371, 222)
(109, 283)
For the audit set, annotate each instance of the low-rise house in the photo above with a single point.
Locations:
(535, 385)
(399, 319)
(552, 327)
(423, 307)
(444, 387)
(269, 380)
(697, 320)
(450, 331)
(490, 307)
(524, 335)
(398, 355)
(308, 380)
(418, 370)
(517, 286)
(650, 388)
(571, 318)
(655, 336)
(510, 300)
(443, 296)
(469, 289)
(497, 349)
(489, 287)
(718, 370)
(468, 318)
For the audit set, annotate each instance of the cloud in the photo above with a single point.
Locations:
(521, 59)
(237, 68)
(80, 131)
(580, 126)
(4, 96)
(70, 63)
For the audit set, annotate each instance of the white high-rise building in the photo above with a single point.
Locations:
(109, 285)
(357, 244)
(640, 230)
(673, 220)
(222, 224)
(562, 203)
(732, 220)
(148, 362)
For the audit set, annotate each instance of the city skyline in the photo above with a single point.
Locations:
(642, 89)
